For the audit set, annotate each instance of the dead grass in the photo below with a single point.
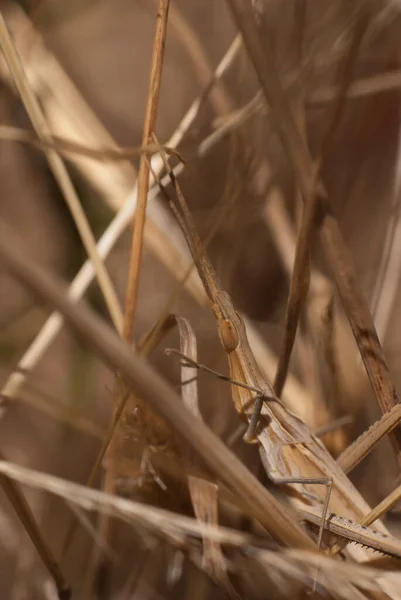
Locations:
(198, 517)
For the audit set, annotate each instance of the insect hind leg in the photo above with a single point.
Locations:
(328, 482)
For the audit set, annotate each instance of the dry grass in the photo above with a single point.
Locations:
(180, 512)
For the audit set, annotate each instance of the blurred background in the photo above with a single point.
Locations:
(87, 62)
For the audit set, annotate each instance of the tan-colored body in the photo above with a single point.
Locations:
(287, 447)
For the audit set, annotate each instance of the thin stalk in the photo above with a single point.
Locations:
(143, 175)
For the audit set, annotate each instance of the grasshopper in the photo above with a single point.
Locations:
(292, 456)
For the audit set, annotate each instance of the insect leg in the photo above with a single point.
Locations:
(328, 482)
(250, 434)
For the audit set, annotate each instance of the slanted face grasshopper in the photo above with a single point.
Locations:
(291, 454)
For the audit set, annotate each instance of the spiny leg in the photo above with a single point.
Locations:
(383, 506)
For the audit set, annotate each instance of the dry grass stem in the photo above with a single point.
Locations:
(143, 175)
(135, 259)
(300, 279)
(317, 98)
(207, 78)
(376, 84)
(204, 494)
(65, 146)
(384, 293)
(317, 412)
(21, 507)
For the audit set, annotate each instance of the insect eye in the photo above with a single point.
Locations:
(228, 335)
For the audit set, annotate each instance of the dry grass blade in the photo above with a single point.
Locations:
(367, 86)
(301, 275)
(135, 259)
(60, 173)
(387, 280)
(219, 97)
(143, 175)
(355, 305)
(65, 146)
(156, 518)
(291, 138)
(361, 322)
(316, 98)
(338, 581)
(352, 456)
(316, 412)
(27, 518)
(161, 397)
(301, 272)
(287, 566)
(204, 494)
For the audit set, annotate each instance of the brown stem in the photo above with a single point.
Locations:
(143, 175)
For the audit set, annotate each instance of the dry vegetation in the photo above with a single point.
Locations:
(123, 462)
